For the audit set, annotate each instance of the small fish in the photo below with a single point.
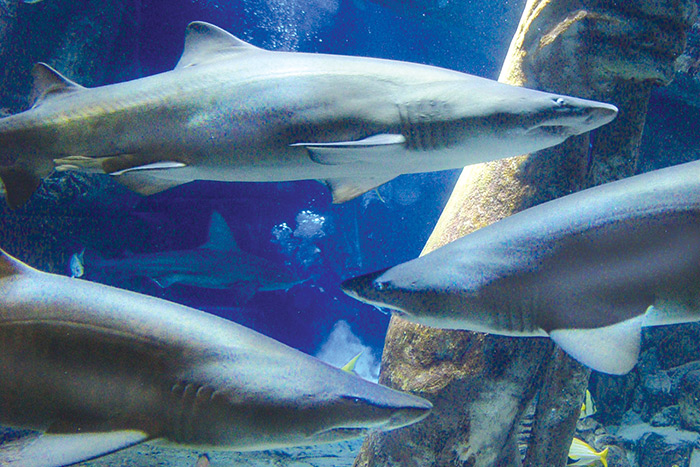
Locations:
(588, 407)
(203, 461)
(31, 2)
(77, 265)
(350, 366)
(582, 453)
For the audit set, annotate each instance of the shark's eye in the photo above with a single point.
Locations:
(560, 101)
(354, 399)
(379, 285)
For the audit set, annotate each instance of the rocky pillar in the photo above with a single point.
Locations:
(480, 384)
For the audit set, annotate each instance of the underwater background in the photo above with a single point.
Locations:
(294, 225)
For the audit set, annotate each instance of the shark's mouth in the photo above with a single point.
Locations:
(340, 433)
(551, 130)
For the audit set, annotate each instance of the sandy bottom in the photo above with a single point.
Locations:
(151, 455)
(154, 454)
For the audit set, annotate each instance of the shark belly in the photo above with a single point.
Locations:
(219, 128)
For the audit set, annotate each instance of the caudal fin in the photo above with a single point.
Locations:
(20, 183)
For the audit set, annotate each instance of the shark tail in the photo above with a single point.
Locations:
(20, 184)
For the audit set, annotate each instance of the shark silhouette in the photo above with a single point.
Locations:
(217, 264)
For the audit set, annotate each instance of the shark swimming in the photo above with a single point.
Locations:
(98, 369)
(230, 111)
(588, 270)
(218, 264)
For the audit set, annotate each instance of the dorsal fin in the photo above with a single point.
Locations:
(205, 43)
(220, 236)
(49, 82)
(10, 266)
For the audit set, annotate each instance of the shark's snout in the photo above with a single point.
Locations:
(390, 409)
(417, 411)
(576, 116)
(366, 407)
(600, 115)
(366, 287)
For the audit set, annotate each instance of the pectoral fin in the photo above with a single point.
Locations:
(154, 166)
(57, 450)
(243, 291)
(611, 349)
(673, 311)
(345, 189)
(165, 281)
(352, 152)
(114, 165)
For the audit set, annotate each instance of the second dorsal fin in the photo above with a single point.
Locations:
(220, 236)
(205, 42)
(10, 266)
(49, 82)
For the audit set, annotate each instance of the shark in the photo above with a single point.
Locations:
(97, 369)
(230, 111)
(588, 270)
(217, 264)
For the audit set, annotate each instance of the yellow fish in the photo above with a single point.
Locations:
(582, 453)
(588, 407)
(350, 366)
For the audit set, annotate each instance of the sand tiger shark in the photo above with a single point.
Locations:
(230, 111)
(217, 264)
(588, 270)
(98, 369)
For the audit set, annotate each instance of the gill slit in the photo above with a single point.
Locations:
(191, 399)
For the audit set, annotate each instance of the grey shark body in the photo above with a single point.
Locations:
(99, 369)
(230, 111)
(218, 264)
(588, 269)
